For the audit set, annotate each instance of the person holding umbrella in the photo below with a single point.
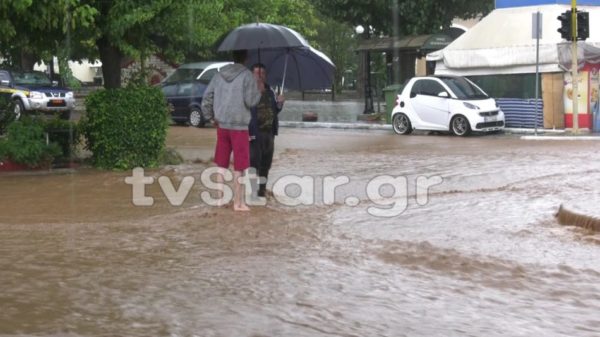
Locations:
(264, 125)
(228, 99)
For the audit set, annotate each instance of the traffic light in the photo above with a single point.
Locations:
(583, 25)
(565, 25)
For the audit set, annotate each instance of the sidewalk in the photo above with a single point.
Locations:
(345, 115)
(527, 134)
(566, 136)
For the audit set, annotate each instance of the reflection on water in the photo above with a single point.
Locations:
(483, 257)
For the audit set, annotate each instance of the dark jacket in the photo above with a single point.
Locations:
(253, 127)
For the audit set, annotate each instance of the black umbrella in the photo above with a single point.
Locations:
(300, 68)
(262, 36)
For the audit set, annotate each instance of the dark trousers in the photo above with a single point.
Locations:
(261, 157)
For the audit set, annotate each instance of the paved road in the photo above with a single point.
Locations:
(427, 235)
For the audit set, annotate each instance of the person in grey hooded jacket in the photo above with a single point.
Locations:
(228, 99)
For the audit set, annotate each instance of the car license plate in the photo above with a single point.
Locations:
(489, 119)
(57, 102)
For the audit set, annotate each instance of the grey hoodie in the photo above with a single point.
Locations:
(230, 95)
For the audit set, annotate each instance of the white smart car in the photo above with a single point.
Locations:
(445, 103)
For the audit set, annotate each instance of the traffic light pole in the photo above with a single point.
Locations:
(538, 34)
(574, 64)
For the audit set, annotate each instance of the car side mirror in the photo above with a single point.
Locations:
(443, 94)
(55, 83)
(413, 94)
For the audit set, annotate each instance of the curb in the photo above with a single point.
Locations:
(528, 134)
(344, 126)
(560, 137)
(533, 131)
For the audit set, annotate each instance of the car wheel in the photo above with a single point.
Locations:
(401, 124)
(460, 126)
(19, 109)
(196, 118)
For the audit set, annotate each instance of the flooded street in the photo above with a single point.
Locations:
(477, 252)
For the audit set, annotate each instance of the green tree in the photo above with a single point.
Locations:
(183, 30)
(111, 30)
(336, 40)
(414, 16)
(388, 18)
(136, 28)
(34, 30)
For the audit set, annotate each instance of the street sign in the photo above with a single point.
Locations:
(536, 25)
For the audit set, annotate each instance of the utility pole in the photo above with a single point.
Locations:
(574, 64)
(537, 34)
(368, 92)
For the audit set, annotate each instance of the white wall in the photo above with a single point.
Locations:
(84, 71)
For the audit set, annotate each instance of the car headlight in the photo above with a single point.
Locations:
(36, 95)
(471, 106)
(69, 95)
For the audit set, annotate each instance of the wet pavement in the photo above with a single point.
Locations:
(476, 253)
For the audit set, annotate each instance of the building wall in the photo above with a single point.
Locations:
(159, 69)
(421, 67)
(552, 94)
(85, 71)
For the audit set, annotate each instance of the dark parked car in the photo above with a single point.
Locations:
(33, 91)
(184, 90)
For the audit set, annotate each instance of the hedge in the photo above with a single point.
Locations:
(126, 127)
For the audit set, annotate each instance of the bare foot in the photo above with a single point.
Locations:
(241, 208)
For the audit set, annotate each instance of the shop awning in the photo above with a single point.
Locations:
(586, 54)
(502, 43)
(418, 43)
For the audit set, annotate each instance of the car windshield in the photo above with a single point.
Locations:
(183, 75)
(463, 88)
(31, 78)
(208, 75)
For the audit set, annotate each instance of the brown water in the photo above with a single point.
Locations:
(483, 257)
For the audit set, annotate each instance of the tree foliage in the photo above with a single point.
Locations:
(414, 16)
(112, 30)
(34, 30)
(387, 18)
(337, 40)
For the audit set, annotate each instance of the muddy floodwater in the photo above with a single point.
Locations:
(461, 241)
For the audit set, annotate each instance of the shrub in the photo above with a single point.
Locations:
(64, 133)
(126, 127)
(7, 114)
(25, 143)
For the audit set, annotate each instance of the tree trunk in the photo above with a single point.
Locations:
(28, 60)
(110, 56)
(361, 77)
